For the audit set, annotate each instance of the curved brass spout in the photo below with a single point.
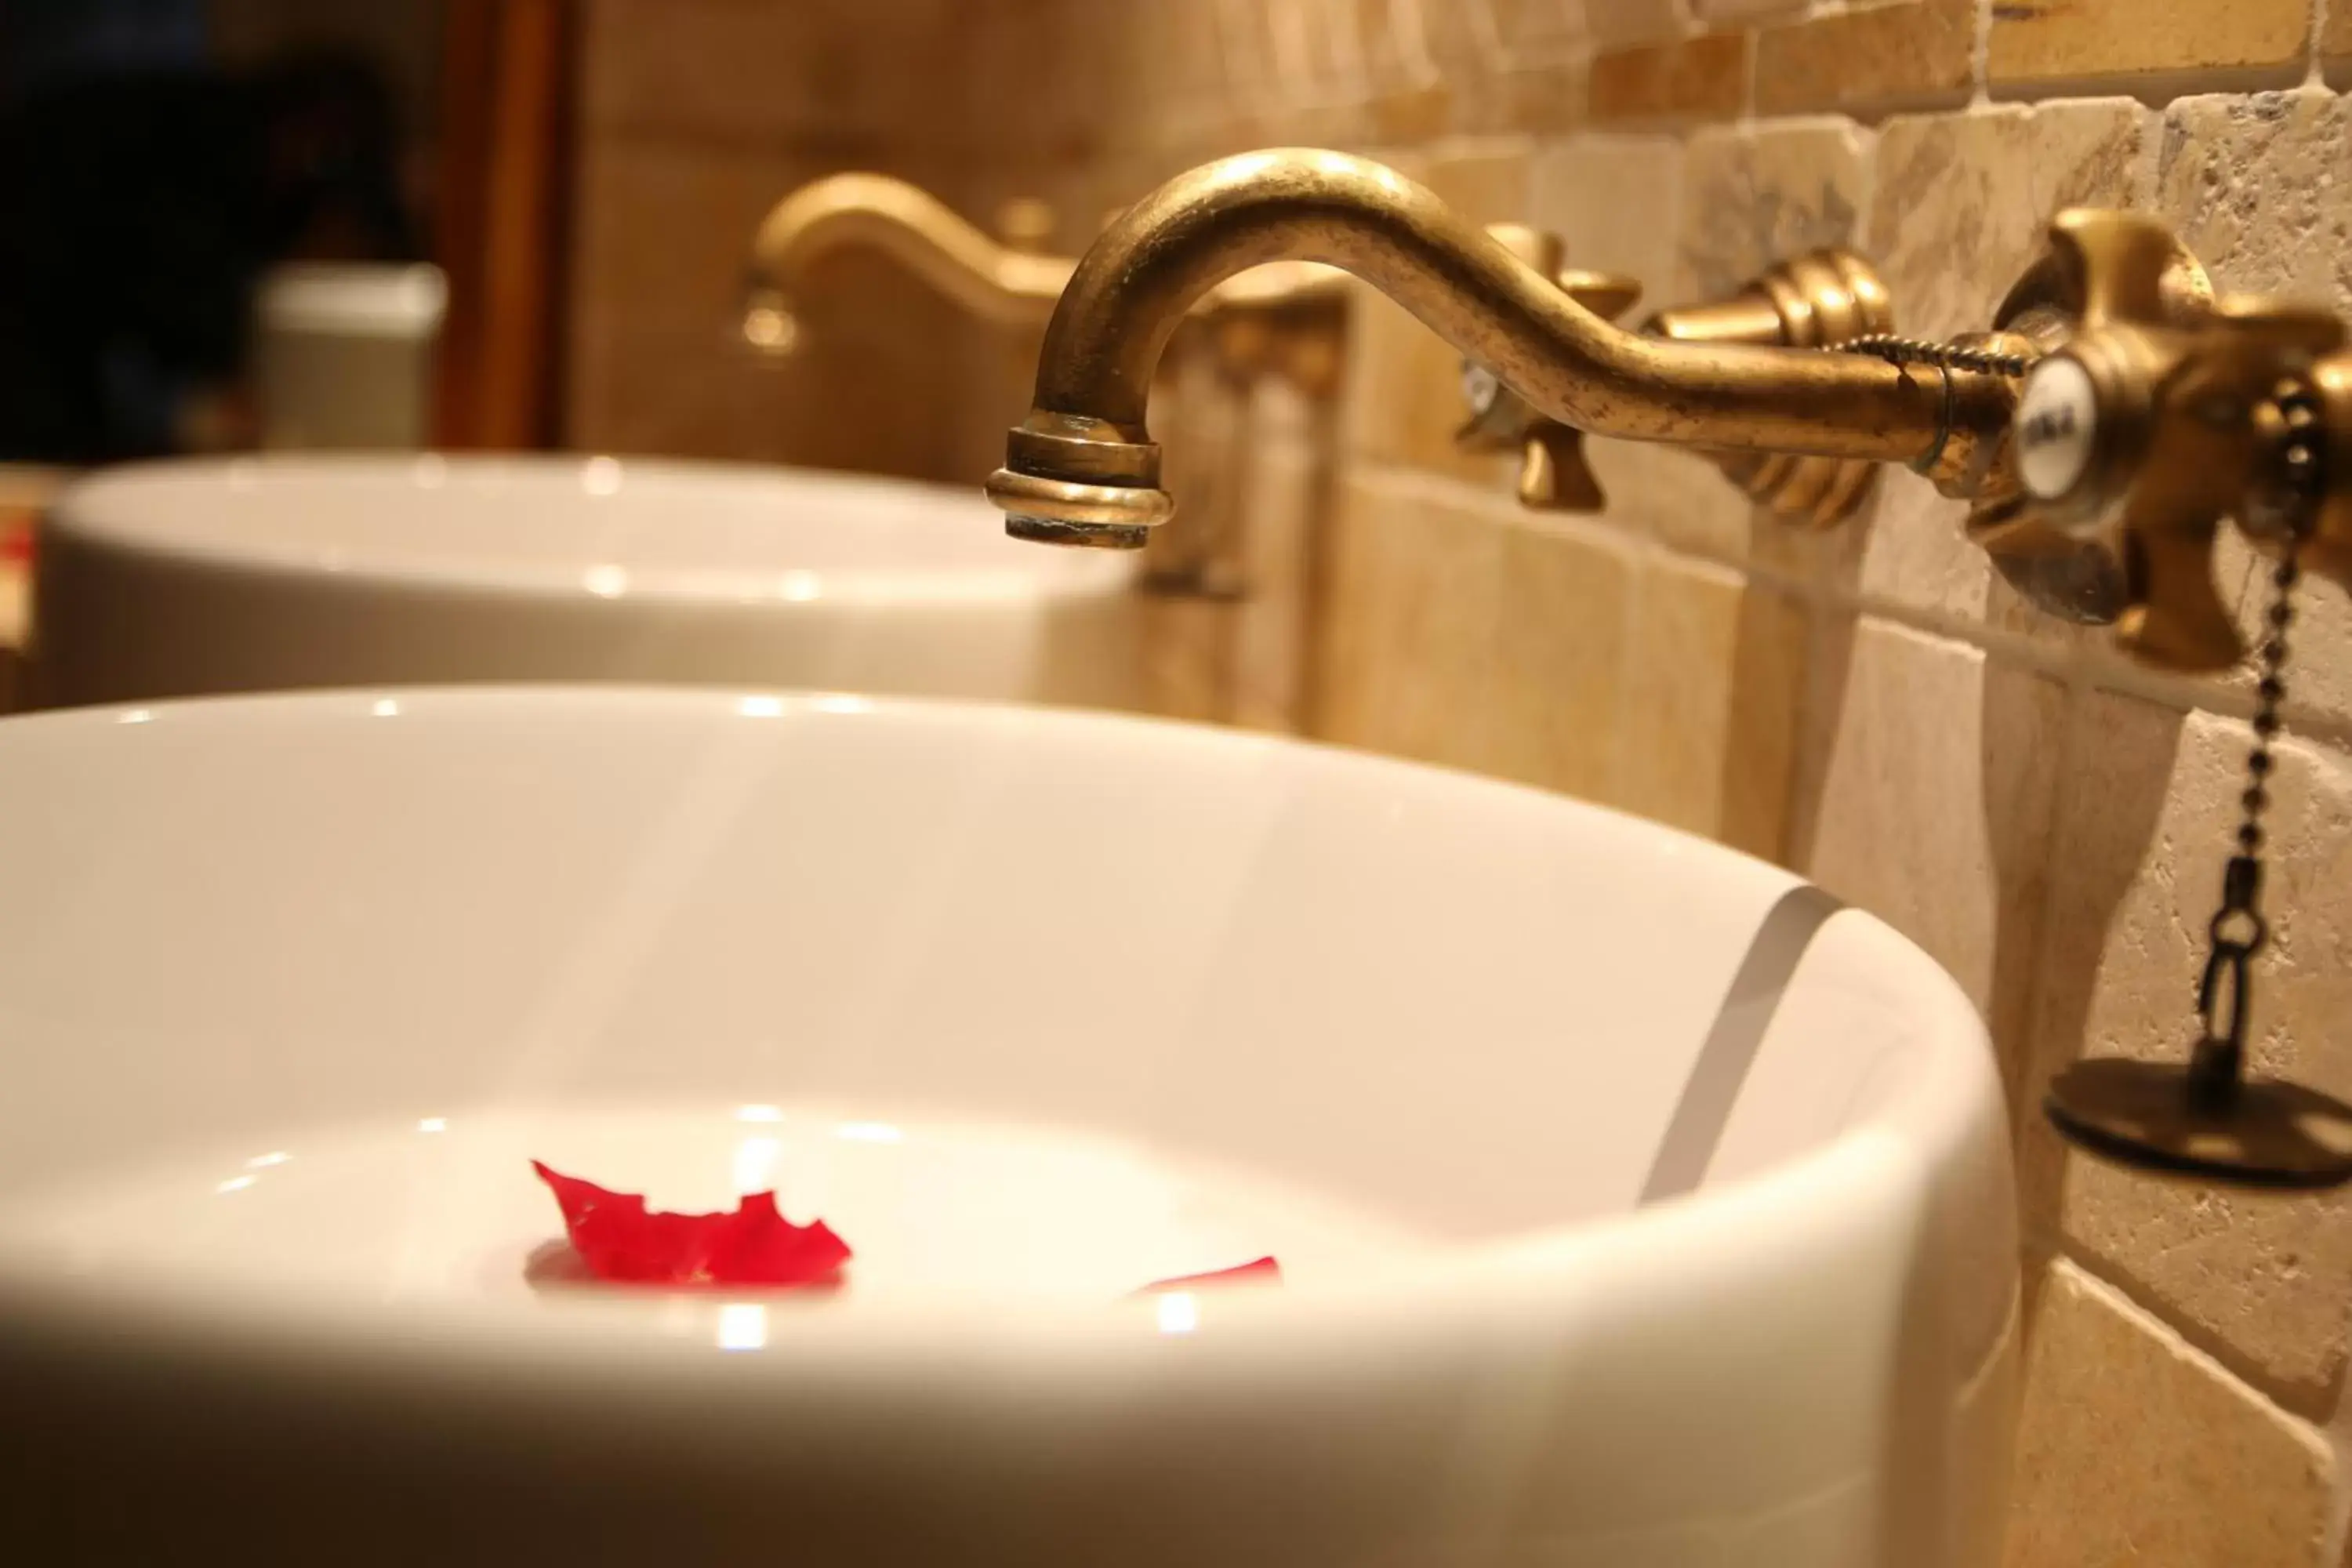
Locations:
(997, 282)
(993, 281)
(1082, 469)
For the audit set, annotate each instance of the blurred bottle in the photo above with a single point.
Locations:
(344, 354)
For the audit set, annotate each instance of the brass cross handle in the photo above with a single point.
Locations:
(2146, 430)
(1554, 475)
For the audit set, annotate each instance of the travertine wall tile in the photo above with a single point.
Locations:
(2261, 188)
(1409, 640)
(1697, 79)
(2132, 1449)
(1960, 206)
(1714, 677)
(832, 75)
(1617, 22)
(1615, 200)
(1929, 804)
(2151, 808)
(1553, 696)
(662, 235)
(2336, 31)
(1286, 493)
(1752, 195)
(1907, 54)
(1755, 195)
(2082, 39)
(1750, 10)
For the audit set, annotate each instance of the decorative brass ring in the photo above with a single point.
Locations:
(1116, 517)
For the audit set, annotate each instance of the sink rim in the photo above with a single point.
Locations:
(113, 508)
(1531, 1279)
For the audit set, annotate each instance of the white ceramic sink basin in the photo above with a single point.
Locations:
(268, 574)
(1637, 1205)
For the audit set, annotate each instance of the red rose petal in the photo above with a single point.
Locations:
(1258, 1271)
(623, 1243)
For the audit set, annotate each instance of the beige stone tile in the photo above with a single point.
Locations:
(2260, 187)
(1700, 78)
(1287, 499)
(1409, 95)
(2132, 1448)
(1615, 22)
(2152, 806)
(1319, 81)
(1682, 498)
(1748, 10)
(1714, 678)
(2082, 39)
(1615, 200)
(838, 76)
(1409, 627)
(1403, 396)
(1927, 799)
(1527, 31)
(1186, 657)
(1751, 196)
(1536, 99)
(1960, 205)
(1913, 52)
(1555, 693)
(662, 239)
(2260, 190)
(662, 393)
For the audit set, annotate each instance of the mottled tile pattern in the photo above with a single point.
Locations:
(1557, 669)
(1698, 78)
(2262, 190)
(2152, 806)
(1714, 678)
(1929, 803)
(2075, 40)
(2132, 1449)
(1959, 209)
(1902, 55)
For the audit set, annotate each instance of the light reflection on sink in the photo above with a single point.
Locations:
(276, 572)
(1637, 1204)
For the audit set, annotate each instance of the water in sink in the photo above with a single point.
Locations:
(446, 1206)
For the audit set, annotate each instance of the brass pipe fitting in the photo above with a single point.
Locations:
(1082, 468)
(1816, 301)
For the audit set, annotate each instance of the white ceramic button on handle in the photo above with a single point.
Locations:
(2057, 423)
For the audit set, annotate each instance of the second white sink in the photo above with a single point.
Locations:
(175, 579)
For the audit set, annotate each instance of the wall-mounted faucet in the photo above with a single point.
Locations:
(1007, 280)
(1010, 278)
(2116, 410)
(2150, 411)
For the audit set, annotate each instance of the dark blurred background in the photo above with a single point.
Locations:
(158, 158)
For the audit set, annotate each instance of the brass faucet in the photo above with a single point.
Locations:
(1082, 470)
(1009, 279)
(2146, 414)
(1008, 283)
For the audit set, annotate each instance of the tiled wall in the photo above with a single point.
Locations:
(1873, 706)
